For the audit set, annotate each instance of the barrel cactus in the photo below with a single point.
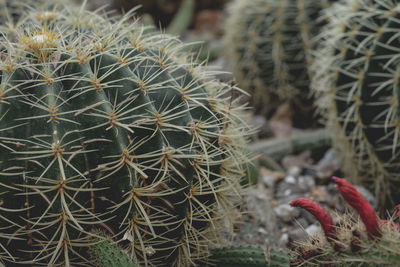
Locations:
(357, 80)
(105, 128)
(268, 44)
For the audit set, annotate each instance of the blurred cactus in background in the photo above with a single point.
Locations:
(268, 43)
(103, 126)
(12, 11)
(356, 80)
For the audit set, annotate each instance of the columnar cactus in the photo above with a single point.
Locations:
(268, 43)
(357, 80)
(104, 127)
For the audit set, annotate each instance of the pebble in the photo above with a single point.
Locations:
(319, 194)
(328, 165)
(290, 179)
(306, 182)
(298, 234)
(294, 171)
(313, 230)
(268, 180)
(283, 240)
(286, 213)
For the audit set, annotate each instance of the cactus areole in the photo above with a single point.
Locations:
(104, 127)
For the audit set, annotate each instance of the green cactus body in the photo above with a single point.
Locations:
(269, 43)
(107, 254)
(239, 256)
(102, 127)
(356, 80)
(248, 256)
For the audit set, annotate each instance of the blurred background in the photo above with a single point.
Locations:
(203, 15)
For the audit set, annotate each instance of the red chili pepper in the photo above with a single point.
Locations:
(361, 205)
(319, 213)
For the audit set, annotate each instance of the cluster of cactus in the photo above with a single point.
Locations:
(356, 80)
(104, 127)
(350, 241)
(269, 44)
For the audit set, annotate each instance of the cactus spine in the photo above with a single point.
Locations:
(269, 45)
(357, 82)
(104, 127)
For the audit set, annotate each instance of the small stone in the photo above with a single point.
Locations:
(328, 165)
(306, 182)
(287, 192)
(294, 171)
(298, 234)
(290, 179)
(319, 194)
(270, 178)
(301, 160)
(284, 240)
(286, 213)
(262, 231)
(313, 229)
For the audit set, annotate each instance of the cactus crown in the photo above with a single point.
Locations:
(103, 126)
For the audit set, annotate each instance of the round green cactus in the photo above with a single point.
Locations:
(357, 84)
(104, 127)
(268, 43)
